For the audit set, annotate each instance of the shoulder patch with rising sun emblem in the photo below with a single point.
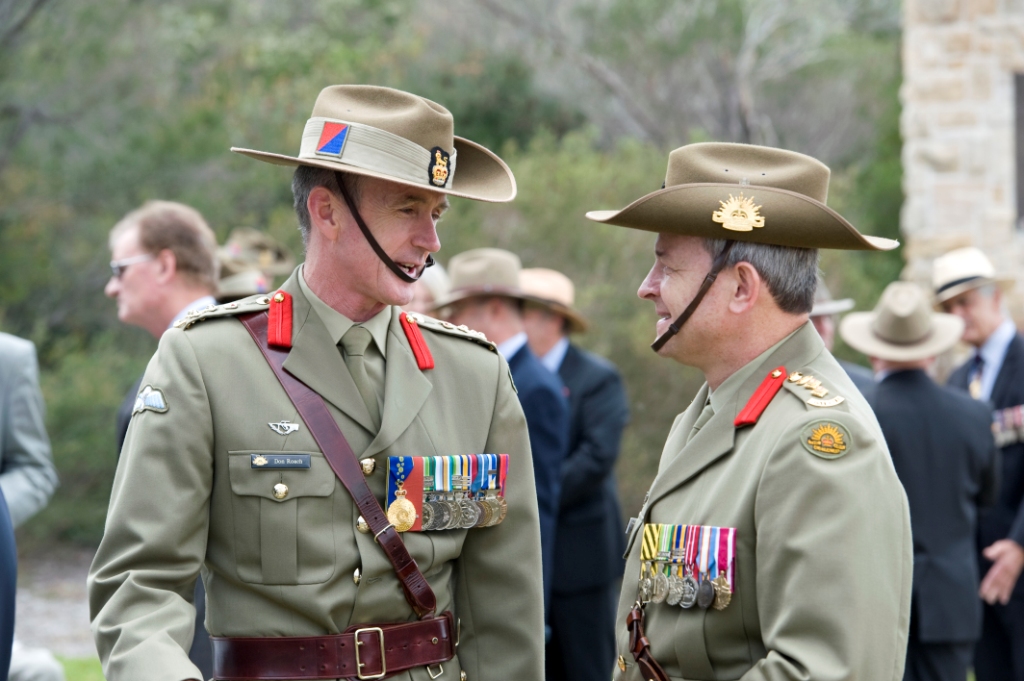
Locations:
(826, 439)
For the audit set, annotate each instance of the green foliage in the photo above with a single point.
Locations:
(82, 669)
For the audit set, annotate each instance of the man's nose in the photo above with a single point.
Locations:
(112, 288)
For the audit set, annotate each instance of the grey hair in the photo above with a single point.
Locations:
(791, 274)
(308, 178)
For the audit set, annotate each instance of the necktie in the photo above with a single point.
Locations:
(974, 387)
(705, 416)
(355, 341)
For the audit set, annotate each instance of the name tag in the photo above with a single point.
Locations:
(279, 460)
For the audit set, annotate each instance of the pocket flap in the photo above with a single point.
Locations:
(316, 481)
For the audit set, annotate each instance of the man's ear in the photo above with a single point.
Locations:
(168, 265)
(324, 214)
(747, 285)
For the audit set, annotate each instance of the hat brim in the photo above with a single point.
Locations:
(830, 307)
(791, 219)
(1004, 283)
(480, 174)
(856, 330)
(468, 292)
(577, 322)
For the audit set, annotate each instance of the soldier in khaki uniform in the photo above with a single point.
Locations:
(221, 476)
(775, 540)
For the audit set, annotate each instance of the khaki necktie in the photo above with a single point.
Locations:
(355, 341)
(705, 416)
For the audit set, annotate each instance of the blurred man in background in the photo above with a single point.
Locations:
(163, 265)
(27, 474)
(942, 447)
(590, 540)
(825, 316)
(485, 296)
(966, 285)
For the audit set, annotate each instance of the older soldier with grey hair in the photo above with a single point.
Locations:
(774, 542)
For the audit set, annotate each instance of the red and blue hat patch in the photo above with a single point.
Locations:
(332, 139)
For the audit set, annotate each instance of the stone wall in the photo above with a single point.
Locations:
(958, 121)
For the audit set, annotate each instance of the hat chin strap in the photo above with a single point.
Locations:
(381, 253)
(677, 325)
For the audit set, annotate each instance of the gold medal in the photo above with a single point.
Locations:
(723, 594)
(401, 512)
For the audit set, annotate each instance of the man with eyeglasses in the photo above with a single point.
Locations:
(163, 265)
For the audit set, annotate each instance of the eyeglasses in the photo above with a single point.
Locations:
(117, 267)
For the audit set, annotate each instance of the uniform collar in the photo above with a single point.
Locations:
(338, 324)
(727, 391)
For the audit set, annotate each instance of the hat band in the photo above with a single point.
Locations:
(957, 282)
(369, 148)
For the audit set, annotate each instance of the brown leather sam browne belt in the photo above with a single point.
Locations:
(362, 652)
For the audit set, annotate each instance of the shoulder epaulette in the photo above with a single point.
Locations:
(462, 331)
(811, 391)
(761, 398)
(253, 304)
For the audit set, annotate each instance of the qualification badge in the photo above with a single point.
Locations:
(150, 399)
(739, 214)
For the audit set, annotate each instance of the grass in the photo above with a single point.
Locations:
(82, 669)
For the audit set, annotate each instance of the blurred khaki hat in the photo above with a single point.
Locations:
(554, 291)
(240, 279)
(743, 192)
(257, 249)
(483, 272)
(962, 270)
(397, 136)
(903, 326)
(824, 304)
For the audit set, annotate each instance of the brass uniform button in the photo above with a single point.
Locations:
(622, 663)
(369, 465)
(356, 577)
(462, 676)
(362, 525)
(279, 298)
(280, 490)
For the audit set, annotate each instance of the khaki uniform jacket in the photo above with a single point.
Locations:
(823, 557)
(185, 499)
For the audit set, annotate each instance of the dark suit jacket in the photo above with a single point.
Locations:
(590, 534)
(124, 414)
(1006, 518)
(862, 377)
(8, 581)
(942, 447)
(547, 418)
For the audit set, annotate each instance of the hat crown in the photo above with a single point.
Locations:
(415, 118)
(961, 265)
(903, 315)
(746, 164)
(484, 270)
(549, 285)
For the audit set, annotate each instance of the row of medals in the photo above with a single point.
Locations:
(685, 591)
(441, 513)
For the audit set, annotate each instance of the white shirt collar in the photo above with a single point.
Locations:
(993, 352)
(513, 345)
(556, 355)
(197, 304)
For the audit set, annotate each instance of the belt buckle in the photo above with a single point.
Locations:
(383, 662)
(440, 670)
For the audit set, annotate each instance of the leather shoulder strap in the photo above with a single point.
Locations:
(343, 461)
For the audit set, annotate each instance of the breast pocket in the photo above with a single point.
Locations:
(282, 517)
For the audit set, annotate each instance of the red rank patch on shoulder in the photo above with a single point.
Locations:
(761, 398)
(279, 324)
(418, 344)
